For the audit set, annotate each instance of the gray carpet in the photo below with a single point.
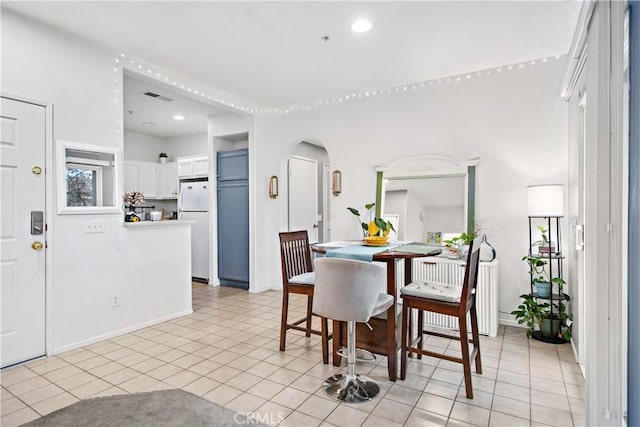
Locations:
(153, 409)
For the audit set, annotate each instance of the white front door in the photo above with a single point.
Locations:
(22, 241)
(303, 196)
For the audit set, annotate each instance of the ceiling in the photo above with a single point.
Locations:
(154, 116)
(272, 53)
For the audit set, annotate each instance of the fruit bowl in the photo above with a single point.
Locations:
(376, 240)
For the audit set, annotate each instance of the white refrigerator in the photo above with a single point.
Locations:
(193, 205)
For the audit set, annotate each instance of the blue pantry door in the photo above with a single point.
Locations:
(233, 218)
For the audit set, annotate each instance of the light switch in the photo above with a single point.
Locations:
(94, 226)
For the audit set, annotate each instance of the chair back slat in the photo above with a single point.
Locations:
(470, 276)
(295, 254)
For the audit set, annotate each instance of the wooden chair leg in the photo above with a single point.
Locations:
(406, 339)
(283, 320)
(466, 362)
(410, 329)
(325, 340)
(337, 359)
(476, 338)
(420, 331)
(309, 315)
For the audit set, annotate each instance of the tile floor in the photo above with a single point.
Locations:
(227, 352)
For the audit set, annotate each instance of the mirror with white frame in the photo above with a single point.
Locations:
(429, 198)
(86, 178)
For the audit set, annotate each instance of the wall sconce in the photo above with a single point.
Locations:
(336, 182)
(273, 187)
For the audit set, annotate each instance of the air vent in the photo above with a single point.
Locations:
(157, 96)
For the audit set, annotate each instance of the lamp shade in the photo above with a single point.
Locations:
(545, 200)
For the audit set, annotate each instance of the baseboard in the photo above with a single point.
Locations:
(575, 356)
(93, 340)
(510, 322)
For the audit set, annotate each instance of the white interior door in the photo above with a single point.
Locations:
(22, 247)
(303, 196)
(580, 231)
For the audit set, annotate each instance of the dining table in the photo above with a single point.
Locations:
(382, 333)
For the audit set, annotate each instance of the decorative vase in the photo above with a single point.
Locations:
(163, 160)
(543, 289)
(487, 252)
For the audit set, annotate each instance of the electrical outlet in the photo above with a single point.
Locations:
(94, 226)
(115, 300)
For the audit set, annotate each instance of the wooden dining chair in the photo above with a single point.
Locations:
(448, 300)
(298, 278)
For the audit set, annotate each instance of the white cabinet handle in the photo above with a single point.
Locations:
(579, 237)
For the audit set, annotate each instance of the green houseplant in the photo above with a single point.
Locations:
(551, 320)
(375, 226)
(537, 268)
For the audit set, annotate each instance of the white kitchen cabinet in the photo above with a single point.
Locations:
(193, 167)
(154, 180)
(168, 180)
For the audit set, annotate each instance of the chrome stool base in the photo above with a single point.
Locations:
(362, 355)
(356, 389)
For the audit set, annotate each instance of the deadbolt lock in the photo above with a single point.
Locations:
(37, 246)
(37, 170)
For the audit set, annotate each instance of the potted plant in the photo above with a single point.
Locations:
(374, 227)
(537, 268)
(552, 320)
(163, 157)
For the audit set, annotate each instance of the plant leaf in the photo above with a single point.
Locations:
(354, 211)
(369, 206)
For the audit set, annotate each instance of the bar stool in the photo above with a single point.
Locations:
(349, 291)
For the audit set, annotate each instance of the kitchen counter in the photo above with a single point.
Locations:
(164, 223)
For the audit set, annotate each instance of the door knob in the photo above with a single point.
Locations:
(37, 246)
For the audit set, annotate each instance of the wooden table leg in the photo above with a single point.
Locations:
(392, 363)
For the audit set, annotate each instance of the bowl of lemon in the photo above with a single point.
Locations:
(376, 240)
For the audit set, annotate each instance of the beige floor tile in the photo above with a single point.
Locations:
(298, 419)
(549, 400)
(111, 391)
(513, 378)
(480, 398)
(498, 419)
(402, 394)
(470, 414)
(147, 365)
(106, 369)
(133, 359)
(47, 365)
(224, 374)
(187, 361)
(27, 385)
(392, 410)
(170, 355)
(78, 355)
(307, 383)
(376, 421)
(435, 404)
(290, 397)
(263, 369)
(445, 375)
(284, 376)
(245, 403)
(201, 386)
(272, 414)
(266, 389)
(11, 405)
(181, 379)
(317, 407)
(142, 383)
(516, 408)
(439, 388)
(90, 389)
(164, 371)
(40, 394)
(222, 394)
(347, 416)
(92, 363)
(54, 403)
(420, 418)
(18, 417)
(121, 376)
(205, 367)
(552, 417)
(60, 374)
(513, 391)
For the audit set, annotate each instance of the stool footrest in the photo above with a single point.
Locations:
(347, 389)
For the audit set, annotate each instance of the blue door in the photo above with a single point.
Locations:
(233, 218)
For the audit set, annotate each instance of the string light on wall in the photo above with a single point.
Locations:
(273, 187)
(336, 182)
(206, 94)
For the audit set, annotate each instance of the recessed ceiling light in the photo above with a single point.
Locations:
(361, 26)
(178, 117)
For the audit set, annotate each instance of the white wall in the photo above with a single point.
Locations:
(414, 225)
(45, 64)
(187, 145)
(512, 120)
(395, 202)
(447, 220)
(138, 146)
